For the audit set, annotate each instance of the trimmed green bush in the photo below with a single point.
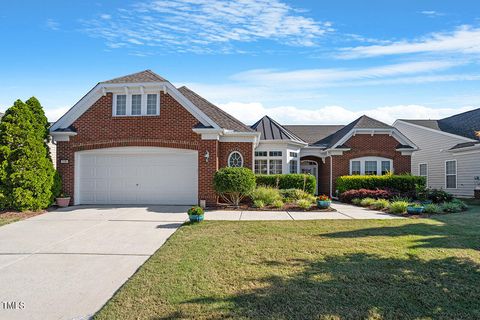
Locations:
(304, 204)
(451, 207)
(356, 201)
(398, 207)
(303, 182)
(258, 204)
(367, 202)
(267, 195)
(432, 208)
(56, 186)
(234, 184)
(277, 204)
(380, 204)
(401, 183)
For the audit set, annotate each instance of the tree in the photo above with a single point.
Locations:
(26, 171)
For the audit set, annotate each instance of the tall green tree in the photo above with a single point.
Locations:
(26, 171)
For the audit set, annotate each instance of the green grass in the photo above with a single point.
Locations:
(331, 269)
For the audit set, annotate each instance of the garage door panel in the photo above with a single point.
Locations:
(133, 175)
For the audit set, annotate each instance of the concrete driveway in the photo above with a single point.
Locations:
(66, 264)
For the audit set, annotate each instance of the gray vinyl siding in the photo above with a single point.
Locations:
(434, 152)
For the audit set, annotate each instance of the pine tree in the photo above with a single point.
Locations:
(26, 171)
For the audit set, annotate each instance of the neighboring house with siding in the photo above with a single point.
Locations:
(449, 151)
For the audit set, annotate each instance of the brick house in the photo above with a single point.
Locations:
(138, 139)
(364, 146)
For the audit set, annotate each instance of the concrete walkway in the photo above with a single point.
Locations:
(344, 211)
(66, 264)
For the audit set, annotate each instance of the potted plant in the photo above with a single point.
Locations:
(196, 214)
(415, 208)
(63, 200)
(323, 201)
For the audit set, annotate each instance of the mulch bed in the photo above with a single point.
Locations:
(286, 207)
(19, 215)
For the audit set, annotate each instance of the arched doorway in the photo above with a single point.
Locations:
(310, 167)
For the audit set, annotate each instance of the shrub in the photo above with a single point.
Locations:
(380, 204)
(258, 204)
(196, 210)
(367, 202)
(365, 193)
(234, 184)
(304, 204)
(401, 183)
(451, 207)
(356, 201)
(303, 182)
(277, 204)
(432, 208)
(463, 206)
(267, 195)
(57, 186)
(401, 199)
(26, 170)
(398, 207)
(439, 196)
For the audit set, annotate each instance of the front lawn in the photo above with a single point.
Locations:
(330, 269)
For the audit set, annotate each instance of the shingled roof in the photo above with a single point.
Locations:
(220, 117)
(271, 130)
(464, 124)
(139, 77)
(313, 133)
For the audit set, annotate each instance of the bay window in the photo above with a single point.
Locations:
(268, 162)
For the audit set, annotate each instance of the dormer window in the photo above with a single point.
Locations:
(136, 104)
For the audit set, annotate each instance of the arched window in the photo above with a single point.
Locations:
(235, 159)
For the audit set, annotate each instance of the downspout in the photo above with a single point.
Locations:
(331, 177)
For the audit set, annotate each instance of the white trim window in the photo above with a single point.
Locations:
(371, 166)
(423, 171)
(451, 174)
(235, 159)
(136, 104)
(293, 166)
(268, 162)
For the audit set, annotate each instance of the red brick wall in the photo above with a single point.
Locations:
(97, 128)
(245, 150)
(365, 145)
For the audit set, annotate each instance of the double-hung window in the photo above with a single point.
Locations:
(423, 171)
(451, 174)
(136, 104)
(293, 166)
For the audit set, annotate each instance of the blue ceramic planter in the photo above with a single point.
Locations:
(323, 204)
(195, 218)
(415, 210)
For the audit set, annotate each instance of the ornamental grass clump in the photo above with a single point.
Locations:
(267, 195)
(432, 208)
(367, 202)
(304, 204)
(398, 207)
(380, 204)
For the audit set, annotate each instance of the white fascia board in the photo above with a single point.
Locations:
(102, 88)
(209, 133)
(466, 150)
(434, 130)
(233, 136)
(62, 136)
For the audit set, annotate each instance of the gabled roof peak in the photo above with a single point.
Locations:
(138, 77)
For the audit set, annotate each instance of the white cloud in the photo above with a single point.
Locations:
(463, 40)
(251, 112)
(314, 78)
(432, 13)
(53, 114)
(204, 26)
(52, 24)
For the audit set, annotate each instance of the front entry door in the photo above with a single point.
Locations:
(310, 167)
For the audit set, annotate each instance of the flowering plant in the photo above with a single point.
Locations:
(323, 198)
(195, 211)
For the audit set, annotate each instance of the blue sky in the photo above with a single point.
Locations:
(298, 61)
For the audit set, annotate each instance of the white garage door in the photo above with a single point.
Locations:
(136, 175)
